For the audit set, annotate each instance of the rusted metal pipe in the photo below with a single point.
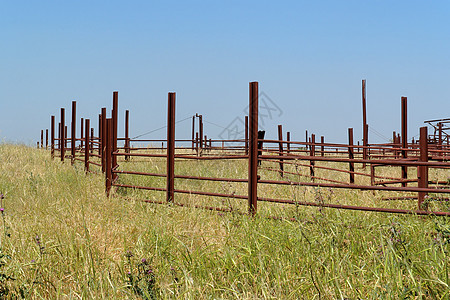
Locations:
(86, 146)
(422, 171)
(253, 149)
(280, 147)
(170, 148)
(350, 155)
(404, 138)
(52, 137)
(73, 133)
(108, 129)
(62, 138)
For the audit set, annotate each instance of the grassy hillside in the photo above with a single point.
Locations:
(62, 238)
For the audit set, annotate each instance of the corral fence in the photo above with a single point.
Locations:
(101, 154)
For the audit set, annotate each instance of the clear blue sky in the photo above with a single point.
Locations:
(308, 56)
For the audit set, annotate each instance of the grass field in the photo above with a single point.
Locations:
(62, 238)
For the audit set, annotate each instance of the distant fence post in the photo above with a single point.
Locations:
(62, 140)
(82, 131)
(46, 138)
(312, 153)
(103, 140)
(280, 148)
(42, 138)
(86, 146)
(253, 149)
(170, 191)
(108, 166)
(92, 140)
(322, 145)
(100, 135)
(193, 132)
(288, 144)
(404, 139)
(422, 171)
(73, 133)
(200, 118)
(364, 122)
(52, 137)
(350, 155)
(115, 124)
(246, 135)
(127, 134)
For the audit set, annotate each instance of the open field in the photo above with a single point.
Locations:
(63, 238)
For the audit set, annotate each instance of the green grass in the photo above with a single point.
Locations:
(62, 238)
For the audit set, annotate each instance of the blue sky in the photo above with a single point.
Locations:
(309, 58)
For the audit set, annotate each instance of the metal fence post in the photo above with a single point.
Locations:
(52, 137)
(350, 155)
(404, 138)
(86, 146)
(82, 134)
(322, 146)
(288, 139)
(170, 148)
(73, 133)
(280, 148)
(422, 171)
(127, 134)
(364, 122)
(103, 139)
(115, 124)
(312, 152)
(108, 150)
(246, 135)
(253, 149)
(62, 139)
(193, 132)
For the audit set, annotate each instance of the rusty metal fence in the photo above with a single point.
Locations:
(283, 157)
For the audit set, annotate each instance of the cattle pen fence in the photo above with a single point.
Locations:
(291, 163)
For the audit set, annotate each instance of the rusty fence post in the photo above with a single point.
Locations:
(288, 139)
(350, 155)
(72, 137)
(82, 134)
(253, 149)
(103, 139)
(372, 174)
(86, 146)
(62, 139)
(46, 138)
(108, 150)
(422, 171)
(52, 137)
(65, 137)
(312, 152)
(115, 111)
(365, 140)
(59, 137)
(246, 135)
(200, 118)
(92, 140)
(322, 146)
(440, 139)
(280, 148)
(193, 132)
(127, 134)
(404, 138)
(42, 138)
(100, 121)
(170, 191)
